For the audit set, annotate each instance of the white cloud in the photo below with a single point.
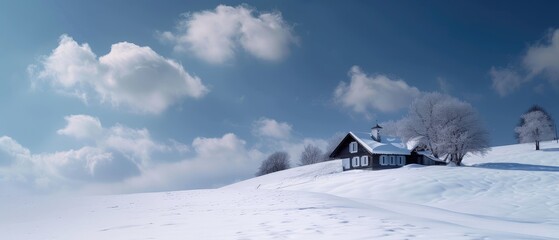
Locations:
(11, 150)
(70, 64)
(364, 94)
(82, 127)
(129, 75)
(142, 79)
(215, 36)
(16, 164)
(544, 58)
(541, 59)
(135, 144)
(88, 164)
(266, 127)
(505, 81)
(62, 170)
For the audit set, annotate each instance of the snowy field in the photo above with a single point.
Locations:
(511, 193)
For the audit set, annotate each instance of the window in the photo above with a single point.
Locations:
(401, 161)
(355, 162)
(353, 147)
(392, 160)
(364, 161)
(383, 160)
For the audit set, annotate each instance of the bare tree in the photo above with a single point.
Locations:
(537, 127)
(312, 154)
(449, 127)
(275, 162)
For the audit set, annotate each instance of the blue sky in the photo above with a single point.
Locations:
(131, 96)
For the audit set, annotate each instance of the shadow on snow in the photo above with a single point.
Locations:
(518, 166)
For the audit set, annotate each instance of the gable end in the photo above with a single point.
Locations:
(342, 150)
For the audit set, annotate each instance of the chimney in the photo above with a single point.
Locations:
(375, 132)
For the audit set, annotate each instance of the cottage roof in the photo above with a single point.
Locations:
(392, 146)
(414, 142)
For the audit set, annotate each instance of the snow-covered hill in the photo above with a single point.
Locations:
(511, 193)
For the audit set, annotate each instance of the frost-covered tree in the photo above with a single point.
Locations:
(450, 128)
(537, 127)
(534, 108)
(312, 154)
(275, 162)
(393, 128)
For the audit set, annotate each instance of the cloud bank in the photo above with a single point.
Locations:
(216, 162)
(215, 36)
(120, 159)
(366, 94)
(117, 153)
(129, 75)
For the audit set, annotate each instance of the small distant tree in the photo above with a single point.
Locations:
(312, 154)
(537, 126)
(533, 108)
(275, 162)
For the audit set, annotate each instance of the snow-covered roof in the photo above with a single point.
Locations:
(414, 142)
(429, 154)
(392, 146)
